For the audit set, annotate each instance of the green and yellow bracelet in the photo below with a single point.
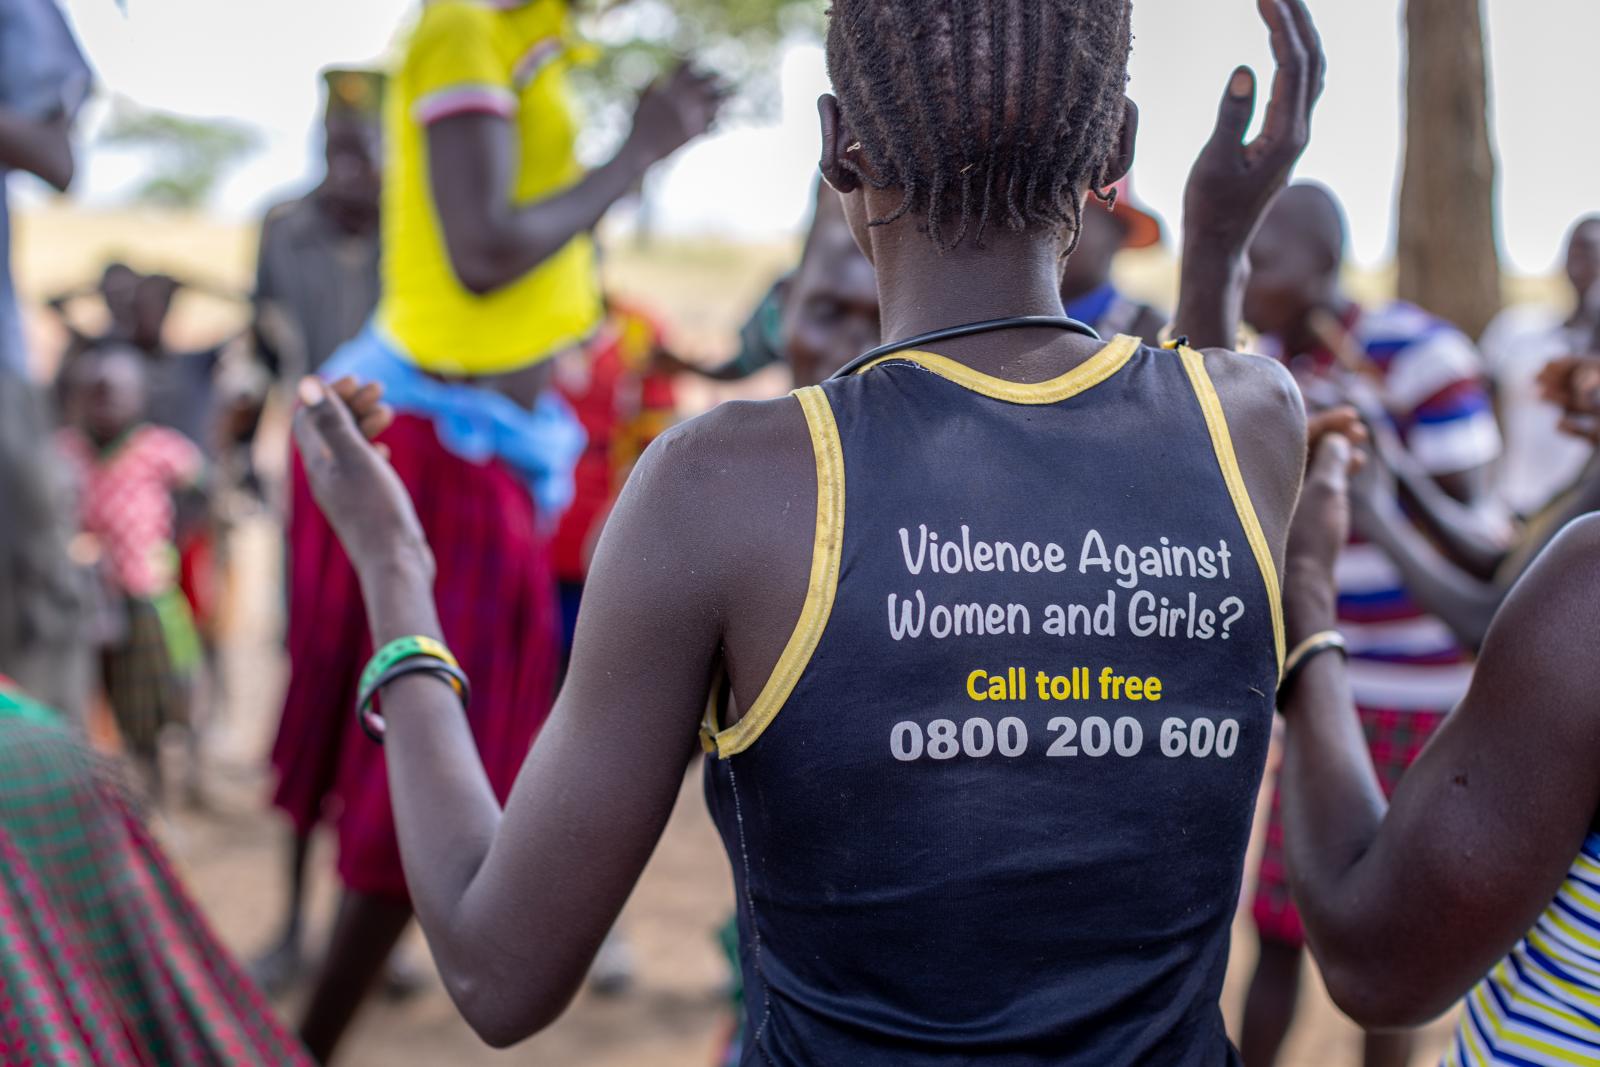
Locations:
(402, 656)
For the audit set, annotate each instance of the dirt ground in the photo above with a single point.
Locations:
(673, 1017)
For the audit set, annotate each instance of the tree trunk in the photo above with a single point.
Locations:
(1449, 251)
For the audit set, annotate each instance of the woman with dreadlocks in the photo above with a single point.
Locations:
(1006, 821)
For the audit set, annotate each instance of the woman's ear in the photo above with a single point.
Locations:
(1121, 160)
(836, 144)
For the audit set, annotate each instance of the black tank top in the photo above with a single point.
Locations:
(992, 805)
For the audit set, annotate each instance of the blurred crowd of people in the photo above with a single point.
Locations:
(447, 256)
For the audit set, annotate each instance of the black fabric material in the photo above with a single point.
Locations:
(986, 908)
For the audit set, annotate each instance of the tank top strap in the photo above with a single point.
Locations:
(827, 544)
(1194, 365)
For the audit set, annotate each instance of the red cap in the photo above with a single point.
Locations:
(1144, 229)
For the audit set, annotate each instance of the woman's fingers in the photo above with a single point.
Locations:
(1585, 426)
(1344, 421)
(324, 429)
(1297, 81)
(1289, 79)
(366, 397)
(1237, 108)
(376, 420)
(1311, 39)
(1330, 463)
(364, 402)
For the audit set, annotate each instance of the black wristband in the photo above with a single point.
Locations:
(1308, 650)
(372, 723)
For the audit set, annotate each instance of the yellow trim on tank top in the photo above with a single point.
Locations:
(826, 548)
(1222, 443)
(1086, 375)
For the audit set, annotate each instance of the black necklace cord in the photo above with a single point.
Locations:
(950, 333)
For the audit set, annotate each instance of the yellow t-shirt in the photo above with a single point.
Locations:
(477, 55)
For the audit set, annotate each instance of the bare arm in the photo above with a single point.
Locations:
(1229, 190)
(1267, 421)
(1466, 601)
(492, 240)
(1443, 505)
(1407, 906)
(514, 904)
(1463, 601)
(40, 147)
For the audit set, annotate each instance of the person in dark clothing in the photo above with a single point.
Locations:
(317, 271)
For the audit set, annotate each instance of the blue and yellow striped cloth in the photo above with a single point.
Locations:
(1541, 1004)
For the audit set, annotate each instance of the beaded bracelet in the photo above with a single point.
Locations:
(402, 656)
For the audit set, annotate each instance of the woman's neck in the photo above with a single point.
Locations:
(921, 289)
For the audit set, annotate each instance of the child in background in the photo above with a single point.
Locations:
(127, 472)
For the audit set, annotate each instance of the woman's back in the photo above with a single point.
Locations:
(920, 883)
(995, 798)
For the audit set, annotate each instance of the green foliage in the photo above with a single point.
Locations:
(755, 22)
(739, 39)
(188, 156)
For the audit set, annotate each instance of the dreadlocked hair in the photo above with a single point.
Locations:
(983, 112)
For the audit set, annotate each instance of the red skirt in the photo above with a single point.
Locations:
(1395, 739)
(497, 605)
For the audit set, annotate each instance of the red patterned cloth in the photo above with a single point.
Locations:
(623, 406)
(104, 961)
(125, 501)
(1395, 739)
(199, 576)
(497, 605)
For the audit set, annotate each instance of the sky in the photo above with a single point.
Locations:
(257, 61)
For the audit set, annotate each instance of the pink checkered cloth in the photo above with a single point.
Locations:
(104, 961)
(1395, 739)
(125, 501)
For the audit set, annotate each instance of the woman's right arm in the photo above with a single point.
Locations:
(1407, 905)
